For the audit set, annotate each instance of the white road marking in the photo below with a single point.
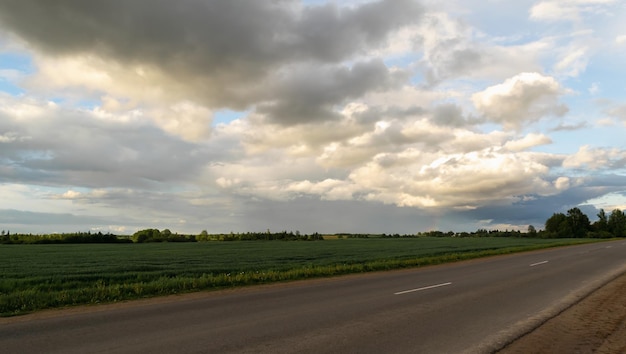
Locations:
(609, 246)
(538, 263)
(420, 289)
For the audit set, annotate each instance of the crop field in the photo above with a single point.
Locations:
(36, 277)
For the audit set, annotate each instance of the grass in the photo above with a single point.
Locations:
(36, 277)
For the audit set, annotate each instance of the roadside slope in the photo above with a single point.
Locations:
(597, 324)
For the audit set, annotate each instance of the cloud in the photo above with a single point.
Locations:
(428, 114)
(618, 111)
(388, 138)
(87, 149)
(211, 55)
(448, 49)
(10, 75)
(573, 62)
(448, 114)
(184, 119)
(452, 49)
(10, 217)
(459, 181)
(332, 34)
(562, 183)
(311, 215)
(596, 158)
(527, 142)
(310, 93)
(566, 10)
(408, 163)
(569, 126)
(522, 99)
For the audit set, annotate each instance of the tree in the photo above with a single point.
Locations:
(603, 222)
(617, 223)
(578, 222)
(532, 231)
(558, 226)
(204, 236)
(147, 235)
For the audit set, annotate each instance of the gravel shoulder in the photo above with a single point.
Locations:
(596, 324)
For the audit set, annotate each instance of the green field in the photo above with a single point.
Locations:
(36, 277)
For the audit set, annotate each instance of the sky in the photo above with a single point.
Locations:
(391, 116)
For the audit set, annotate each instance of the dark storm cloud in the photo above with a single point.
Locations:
(216, 30)
(331, 34)
(12, 217)
(312, 215)
(310, 94)
(222, 52)
(449, 114)
(535, 211)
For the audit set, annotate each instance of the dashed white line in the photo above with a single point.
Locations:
(538, 263)
(420, 289)
(608, 246)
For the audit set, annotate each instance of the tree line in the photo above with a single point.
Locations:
(576, 224)
(573, 224)
(154, 235)
(6, 237)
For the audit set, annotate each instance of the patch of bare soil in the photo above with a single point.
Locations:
(597, 324)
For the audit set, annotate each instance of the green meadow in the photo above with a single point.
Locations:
(36, 277)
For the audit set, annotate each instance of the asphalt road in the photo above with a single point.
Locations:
(473, 306)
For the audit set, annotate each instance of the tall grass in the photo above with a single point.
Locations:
(37, 277)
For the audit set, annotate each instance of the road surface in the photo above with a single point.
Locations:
(474, 306)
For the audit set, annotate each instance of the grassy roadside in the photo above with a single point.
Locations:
(37, 277)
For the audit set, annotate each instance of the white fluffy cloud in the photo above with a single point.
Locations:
(596, 158)
(527, 142)
(461, 180)
(522, 99)
(408, 163)
(566, 10)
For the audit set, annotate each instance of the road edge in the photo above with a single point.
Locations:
(500, 340)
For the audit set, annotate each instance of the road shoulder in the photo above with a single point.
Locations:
(596, 324)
